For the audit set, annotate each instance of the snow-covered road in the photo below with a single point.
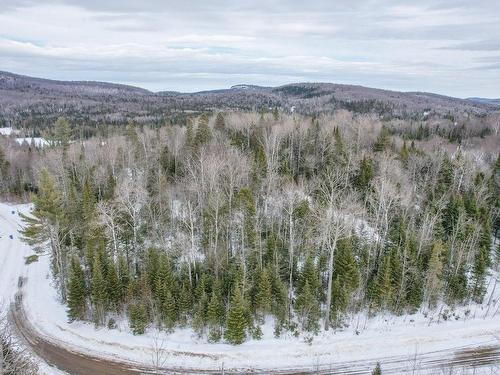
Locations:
(12, 252)
(395, 341)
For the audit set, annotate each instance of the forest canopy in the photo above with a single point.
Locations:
(240, 218)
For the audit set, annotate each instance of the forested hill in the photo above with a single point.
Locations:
(35, 102)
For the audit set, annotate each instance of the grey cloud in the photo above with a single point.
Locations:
(482, 45)
(213, 43)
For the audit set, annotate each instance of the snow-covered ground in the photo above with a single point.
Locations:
(365, 338)
(35, 142)
(12, 262)
(8, 131)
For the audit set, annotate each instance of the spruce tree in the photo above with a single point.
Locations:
(340, 301)
(377, 370)
(264, 294)
(310, 274)
(404, 154)
(435, 273)
(99, 291)
(383, 140)
(236, 320)
(113, 286)
(345, 265)
(62, 133)
(138, 318)
(456, 284)
(4, 168)
(308, 308)
(189, 134)
(381, 287)
(123, 276)
(76, 292)
(169, 310)
(200, 314)
(47, 224)
(203, 132)
(365, 175)
(445, 179)
(220, 123)
(215, 316)
(482, 260)
(185, 303)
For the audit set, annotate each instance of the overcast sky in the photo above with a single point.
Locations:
(445, 46)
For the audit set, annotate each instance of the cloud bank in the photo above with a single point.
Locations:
(446, 46)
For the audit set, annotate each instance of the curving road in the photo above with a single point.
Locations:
(81, 363)
(76, 363)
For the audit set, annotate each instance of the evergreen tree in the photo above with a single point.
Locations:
(189, 134)
(383, 140)
(482, 260)
(451, 214)
(88, 202)
(109, 189)
(236, 319)
(200, 315)
(113, 286)
(138, 318)
(435, 274)
(123, 276)
(185, 304)
(47, 224)
(310, 274)
(345, 265)
(47, 215)
(76, 292)
(445, 177)
(456, 284)
(365, 175)
(381, 288)
(99, 291)
(308, 309)
(169, 310)
(203, 132)
(220, 123)
(4, 168)
(404, 154)
(264, 294)
(276, 114)
(340, 301)
(62, 132)
(377, 370)
(215, 315)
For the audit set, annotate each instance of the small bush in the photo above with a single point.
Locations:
(31, 259)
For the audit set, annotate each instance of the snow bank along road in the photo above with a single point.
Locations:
(470, 337)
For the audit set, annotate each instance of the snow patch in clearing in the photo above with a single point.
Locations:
(34, 142)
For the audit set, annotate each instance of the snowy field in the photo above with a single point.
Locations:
(365, 339)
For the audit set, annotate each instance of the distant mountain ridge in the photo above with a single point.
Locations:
(25, 99)
(485, 100)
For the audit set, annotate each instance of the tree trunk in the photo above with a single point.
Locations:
(330, 282)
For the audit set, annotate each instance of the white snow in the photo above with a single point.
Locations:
(364, 339)
(36, 142)
(8, 131)
(12, 263)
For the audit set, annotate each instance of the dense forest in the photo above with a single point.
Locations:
(240, 219)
